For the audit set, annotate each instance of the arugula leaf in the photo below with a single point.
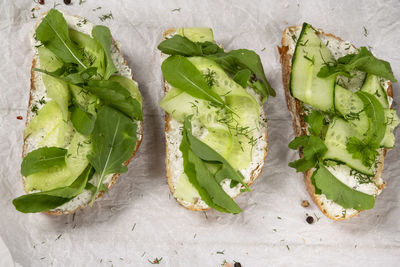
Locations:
(114, 140)
(70, 76)
(340, 193)
(53, 33)
(47, 200)
(83, 122)
(202, 179)
(42, 159)
(364, 61)
(206, 153)
(250, 60)
(242, 77)
(117, 96)
(315, 120)
(210, 48)
(180, 45)
(181, 73)
(102, 35)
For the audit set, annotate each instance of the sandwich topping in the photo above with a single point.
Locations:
(88, 120)
(344, 97)
(216, 129)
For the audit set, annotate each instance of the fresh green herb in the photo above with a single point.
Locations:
(242, 77)
(340, 193)
(312, 60)
(41, 159)
(294, 38)
(42, 101)
(47, 200)
(364, 61)
(53, 33)
(68, 73)
(156, 261)
(176, 10)
(35, 109)
(58, 237)
(97, 8)
(315, 121)
(262, 50)
(181, 73)
(117, 96)
(196, 155)
(103, 36)
(114, 139)
(365, 31)
(365, 151)
(180, 45)
(221, 252)
(82, 121)
(361, 178)
(106, 17)
(209, 76)
(81, 2)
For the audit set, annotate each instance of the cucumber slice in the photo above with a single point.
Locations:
(391, 120)
(56, 89)
(351, 107)
(339, 131)
(75, 162)
(220, 140)
(93, 53)
(309, 56)
(197, 34)
(373, 86)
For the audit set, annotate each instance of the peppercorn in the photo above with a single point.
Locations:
(305, 203)
(237, 264)
(67, 2)
(310, 219)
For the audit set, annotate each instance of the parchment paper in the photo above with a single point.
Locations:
(138, 220)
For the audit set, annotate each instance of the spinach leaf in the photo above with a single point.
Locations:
(117, 96)
(42, 159)
(53, 33)
(181, 73)
(340, 193)
(114, 140)
(83, 122)
(47, 200)
(242, 77)
(202, 179)
(180, 45)
(364, 61)
(102, 35)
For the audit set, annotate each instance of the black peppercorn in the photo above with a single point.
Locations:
(310, 219)
(67, 2)
(237, 264)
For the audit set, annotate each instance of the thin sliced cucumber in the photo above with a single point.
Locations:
(309, 56)
(391, 120)
(197, 34)
(373, 86)
(339, 131)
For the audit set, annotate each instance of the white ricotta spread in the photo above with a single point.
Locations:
(338, 49)
(82, 25)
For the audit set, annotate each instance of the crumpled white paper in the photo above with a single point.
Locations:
(138, 220)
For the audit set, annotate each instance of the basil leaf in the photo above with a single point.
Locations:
(42, 159)
(103, 36)
(206, 153)
(250, 60)
(53, 33)
(83, 122)
(364, 61)
(203, 180)
(315, 120)
(340, 193)
(47, 200)
(180, 45)
(114, 140)
(242, 77)
(117, 96)
(181, 73)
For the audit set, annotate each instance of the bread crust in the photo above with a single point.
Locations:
(255, 173)
(300, 126)
(114, 178)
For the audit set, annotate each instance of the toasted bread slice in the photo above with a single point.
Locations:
(286, 50)
(174, 160)
(37, 91)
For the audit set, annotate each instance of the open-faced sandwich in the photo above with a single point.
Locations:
(340, 100)
(215, 128)
(84, 117)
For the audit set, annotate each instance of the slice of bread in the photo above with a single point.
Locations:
(38, 91)
(174, 160)
(336, 45)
